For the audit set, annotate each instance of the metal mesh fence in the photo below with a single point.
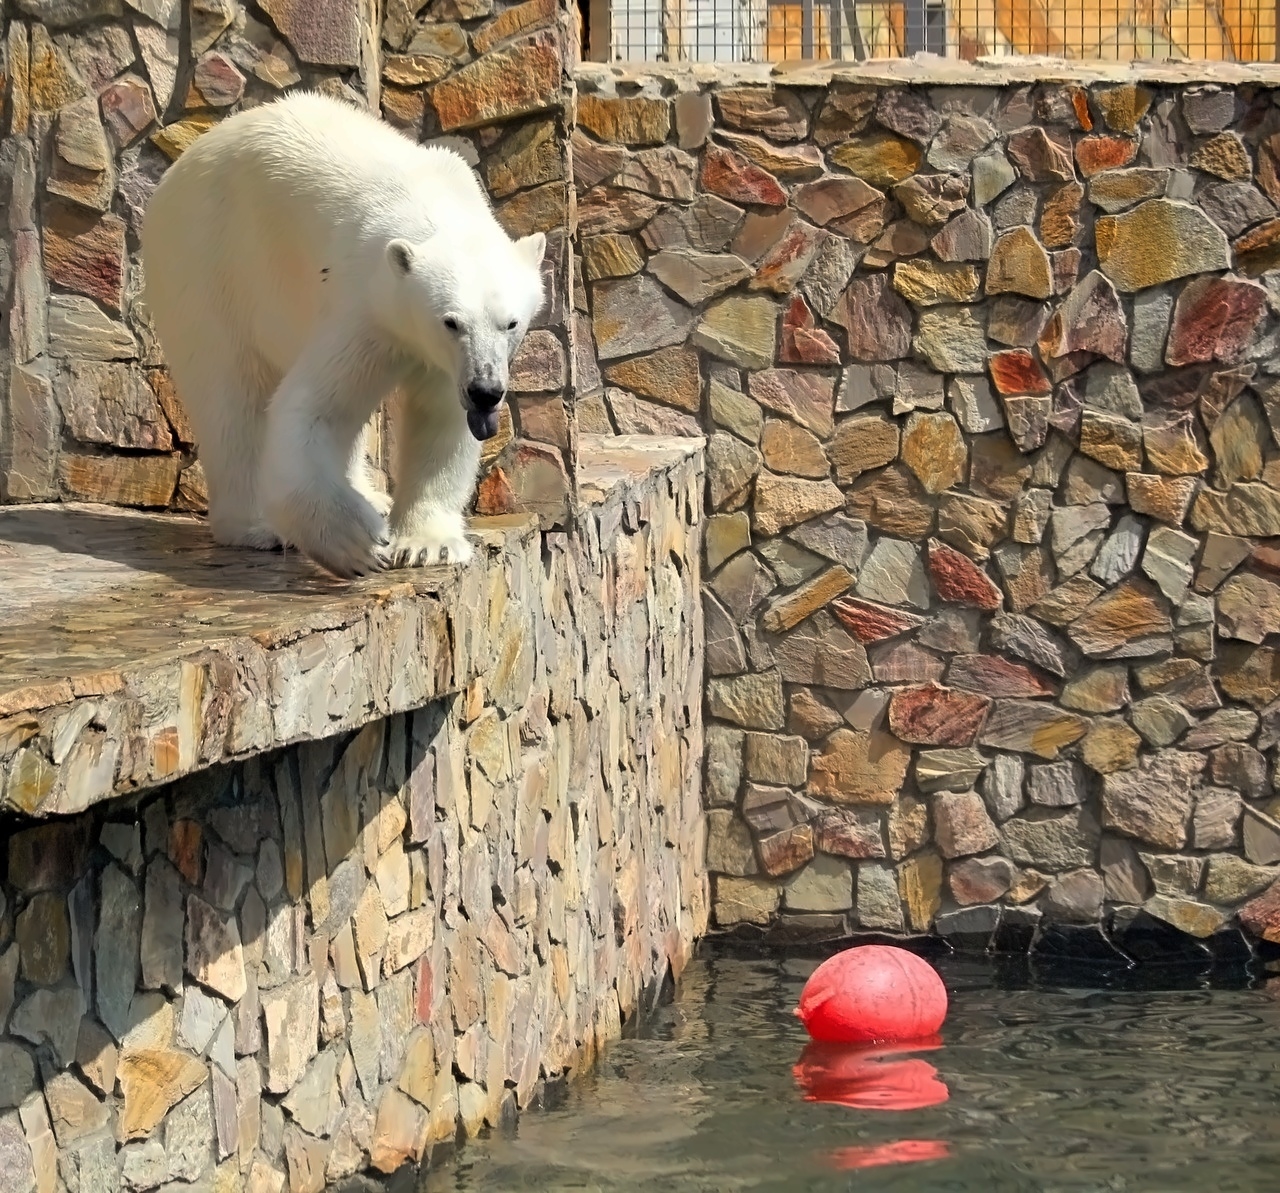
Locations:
(781, 30)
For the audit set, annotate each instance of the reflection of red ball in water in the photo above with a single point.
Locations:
(873, 992)
(900, 1151)
(863, 1079)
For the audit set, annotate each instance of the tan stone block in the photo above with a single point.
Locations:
(175, 139)
(781, 502)
(153, 1081)
(1019, 265)
(920, 884)
(926, 283)
(881, 158)
(743, 331)
(1123, 107)
(745, 901)
(1159, 241)
(788, 611)
(790, 449)
(934, 449)
(863, 443)
(670, 376)
(523, 78)
(1165, 498)
(52, 80)
(611, 255)
(1111, 440)
(533, 14)
(859, 768)
(1110, 745)
(633, 120)
(893, 501)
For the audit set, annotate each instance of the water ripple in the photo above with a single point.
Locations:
(1050, 1091)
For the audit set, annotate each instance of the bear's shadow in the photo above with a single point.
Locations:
(179, 547)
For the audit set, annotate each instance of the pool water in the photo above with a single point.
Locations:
(1083, 1080)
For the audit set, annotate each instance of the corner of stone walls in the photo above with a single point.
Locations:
(494, 83)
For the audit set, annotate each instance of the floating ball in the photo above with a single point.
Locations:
(873, 993)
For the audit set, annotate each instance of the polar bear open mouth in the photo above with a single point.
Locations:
(483, 423)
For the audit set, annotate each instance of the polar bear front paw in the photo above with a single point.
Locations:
(418, 550)
(337, 529)
(437, 538)
(349, 553)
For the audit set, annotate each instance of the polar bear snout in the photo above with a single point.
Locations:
(483, 400)
(485, 395)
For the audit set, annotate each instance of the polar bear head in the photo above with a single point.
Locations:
(464, 302)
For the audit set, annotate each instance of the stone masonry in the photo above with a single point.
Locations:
(989, 362)
(435, 857)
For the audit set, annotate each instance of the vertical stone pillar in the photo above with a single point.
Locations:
(100, 99)
(29, 422)
(492, 81)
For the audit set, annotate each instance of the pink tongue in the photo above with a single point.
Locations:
(483, 423)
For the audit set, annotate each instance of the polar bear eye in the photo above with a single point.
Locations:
(513, 324)
(451, 323)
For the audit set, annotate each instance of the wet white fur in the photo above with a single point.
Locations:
(301, 259)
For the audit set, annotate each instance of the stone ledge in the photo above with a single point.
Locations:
(134, 651)
(609, 461)
(922, 70)
(323, 960)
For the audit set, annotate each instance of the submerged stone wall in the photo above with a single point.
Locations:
(990, 366)
(277, 972)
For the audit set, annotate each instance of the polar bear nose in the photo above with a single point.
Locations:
(484, 395)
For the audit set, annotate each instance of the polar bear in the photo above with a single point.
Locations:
(302, 261)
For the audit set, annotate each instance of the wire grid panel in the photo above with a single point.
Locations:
(816, 30)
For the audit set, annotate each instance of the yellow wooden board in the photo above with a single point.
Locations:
(1215, 30)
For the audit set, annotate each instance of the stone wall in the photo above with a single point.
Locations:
(277, 972)
(991, 372)
(99, 96)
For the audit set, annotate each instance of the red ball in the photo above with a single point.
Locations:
(872, 993)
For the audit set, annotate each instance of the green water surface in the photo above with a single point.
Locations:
(1088, 1081)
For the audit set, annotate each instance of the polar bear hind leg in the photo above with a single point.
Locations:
(226, 395)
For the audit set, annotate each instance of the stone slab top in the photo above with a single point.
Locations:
(606, 462)
(90, 590)
(133, 649)
(926, 70)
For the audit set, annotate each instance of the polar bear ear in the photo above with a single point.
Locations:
(533, 248)
(400, 254)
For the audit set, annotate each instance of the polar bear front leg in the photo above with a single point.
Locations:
(313, 422)
(436, 462)
(361, 479)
